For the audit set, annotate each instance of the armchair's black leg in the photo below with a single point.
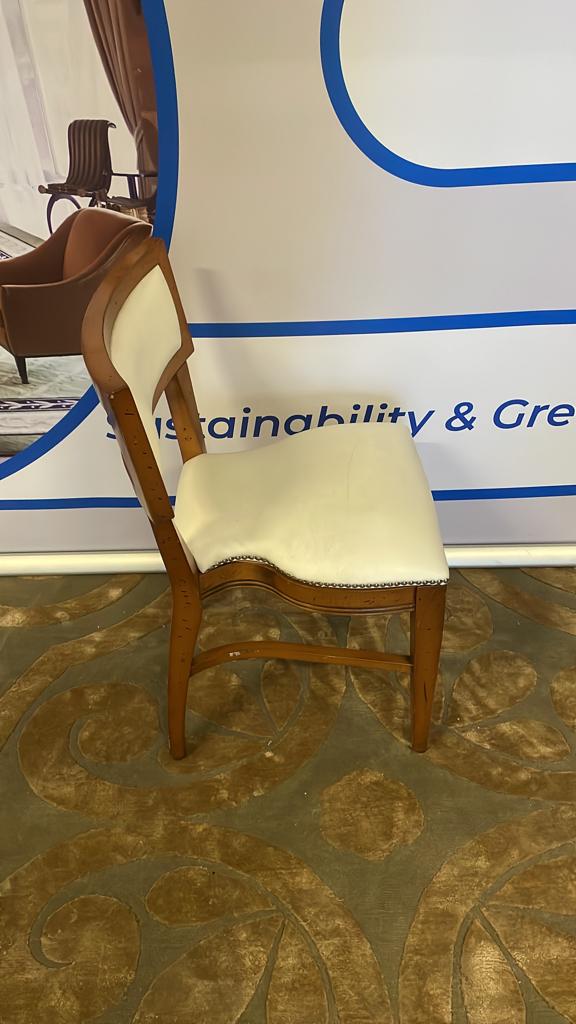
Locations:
(21, 364)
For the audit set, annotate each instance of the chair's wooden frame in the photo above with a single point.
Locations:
(189, 585)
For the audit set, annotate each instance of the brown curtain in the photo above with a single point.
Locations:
(119, 30)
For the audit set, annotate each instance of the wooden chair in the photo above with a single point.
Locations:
(89, 166)
(338, 520)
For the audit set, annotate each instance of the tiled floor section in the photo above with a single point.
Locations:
(302, 866)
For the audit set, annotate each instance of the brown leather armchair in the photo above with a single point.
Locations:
(44, 294)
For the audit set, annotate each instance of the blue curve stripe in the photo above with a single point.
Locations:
(384, 325)
(499, 493)
(376, 151)
(474, 494)
(167, 107)
(29, 504)
(57, 433)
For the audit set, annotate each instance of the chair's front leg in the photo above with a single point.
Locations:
(186, 614)
(426, 624)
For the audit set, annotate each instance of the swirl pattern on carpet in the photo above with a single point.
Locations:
(301, 865)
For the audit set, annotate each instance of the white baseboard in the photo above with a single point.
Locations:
(476, 556)
(459, 556)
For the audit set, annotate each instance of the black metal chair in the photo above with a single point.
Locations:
(89, 166)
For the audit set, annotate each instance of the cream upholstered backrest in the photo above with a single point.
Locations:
(144, 338)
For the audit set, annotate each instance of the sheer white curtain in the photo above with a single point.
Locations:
(50, 74)
(23, 163)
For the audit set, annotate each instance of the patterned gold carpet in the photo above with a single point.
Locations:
(302, 866)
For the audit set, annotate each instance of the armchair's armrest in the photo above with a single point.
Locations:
(41, 265)
(132, 177)
(46, 318)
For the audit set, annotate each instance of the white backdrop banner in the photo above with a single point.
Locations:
(370, 207)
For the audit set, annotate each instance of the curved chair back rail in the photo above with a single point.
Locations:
(44, 294)
(136, 345)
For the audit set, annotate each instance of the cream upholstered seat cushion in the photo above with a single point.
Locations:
(343, 505)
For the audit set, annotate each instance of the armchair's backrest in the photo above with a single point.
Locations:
(135, 342)
(94, 235)
(89, 160)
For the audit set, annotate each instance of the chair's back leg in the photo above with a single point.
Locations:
(186, 614)
(426, 624)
